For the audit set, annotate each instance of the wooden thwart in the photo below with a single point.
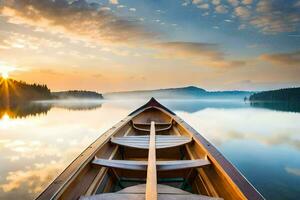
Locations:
(142, 142)
(160, 165)
(135, 126)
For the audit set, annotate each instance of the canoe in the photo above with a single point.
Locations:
(151, 154)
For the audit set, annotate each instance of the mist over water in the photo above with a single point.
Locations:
(38, 140)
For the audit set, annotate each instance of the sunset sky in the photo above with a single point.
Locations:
(117, 45)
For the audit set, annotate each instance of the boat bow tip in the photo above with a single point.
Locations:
(152, 103)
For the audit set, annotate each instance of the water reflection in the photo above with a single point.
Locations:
(35, 149)
(293, 171)
(279, 106)
(186, 105)
(23, 110)
(192, 106)
(27, 109)
(263, 126)
(263, 144)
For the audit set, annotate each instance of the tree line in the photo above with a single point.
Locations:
(13, 92)
(281, 95)
(77, 94)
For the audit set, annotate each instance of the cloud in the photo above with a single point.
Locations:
(233, 2)
(293, 171)
(273, 135)
(242, 26)
(114, 1)
(121, 6)
(292, 58)
(105, 8)
(247, 2)
(21, 41)
(35, 178)
(132, 9)
(221, 9)
(203, 6)
(242, 12)
(205, 54)
(197, 1)
(191, 49)
(185, 3)
(77, 18)
(273, 18)
(267, 16)
(216, 2)
(32, 150)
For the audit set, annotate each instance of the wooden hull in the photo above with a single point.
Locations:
(218, 179)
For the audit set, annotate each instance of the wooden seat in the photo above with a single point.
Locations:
(168, 127)
(137, 192)
(142, 142)
(160, 165)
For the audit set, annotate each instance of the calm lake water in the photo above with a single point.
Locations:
(39, 140)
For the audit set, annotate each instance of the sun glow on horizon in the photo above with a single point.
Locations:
(5, 71)
(5, 75)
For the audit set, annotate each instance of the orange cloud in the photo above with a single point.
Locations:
(205, 54)
(79, 18)
(292, 58)
(36, 178)
(271, 19)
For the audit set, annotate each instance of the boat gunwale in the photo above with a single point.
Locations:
(245, 188)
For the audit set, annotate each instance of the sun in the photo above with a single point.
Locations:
(5, 71)
(5, 75)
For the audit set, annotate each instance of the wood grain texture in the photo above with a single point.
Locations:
(151, 184)
(142, 142)
(148, 130)
(160, 165)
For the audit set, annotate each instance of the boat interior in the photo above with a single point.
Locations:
(151, 154)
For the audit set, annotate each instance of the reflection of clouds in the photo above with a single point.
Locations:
(2, 143)
(36, 149)
(264, 126)
(31, 149)
(293, 171)
(36, 178)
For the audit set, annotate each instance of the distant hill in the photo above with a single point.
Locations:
(77, 94)
(13, 92)
(281, 95)
(190, 92)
